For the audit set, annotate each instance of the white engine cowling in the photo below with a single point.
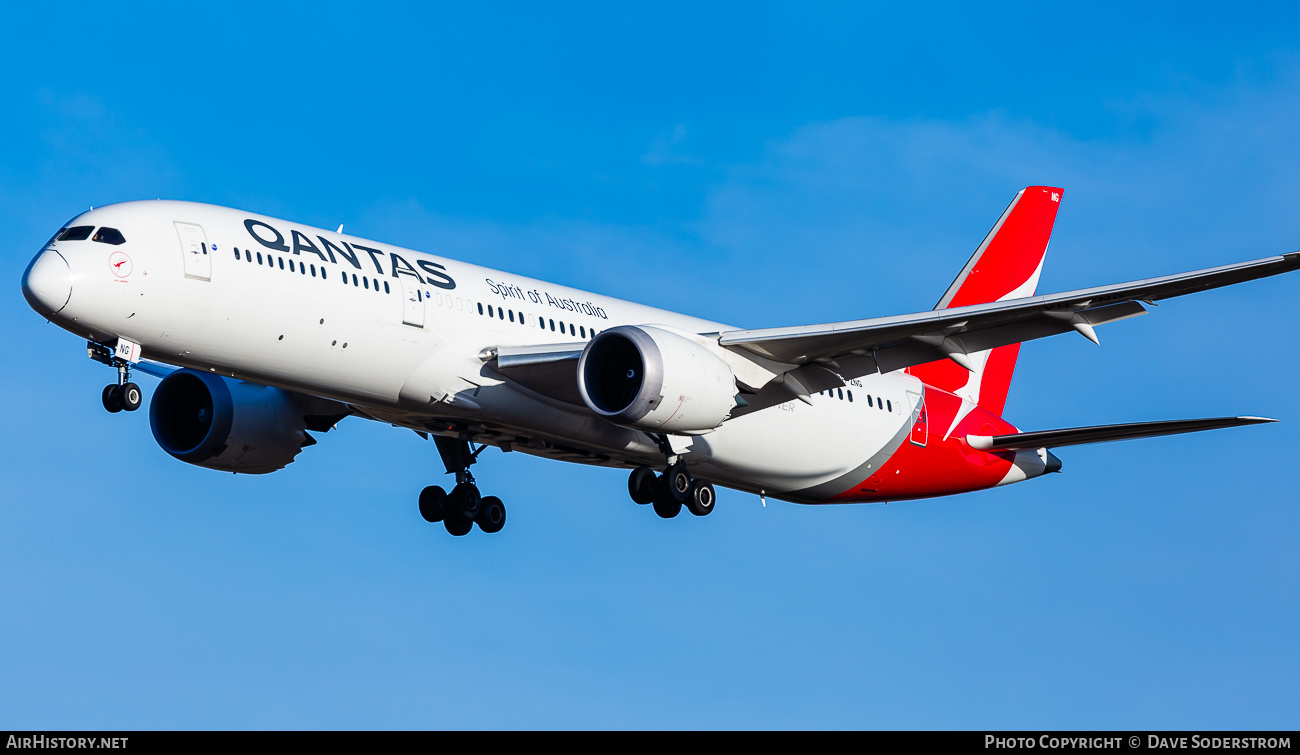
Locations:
(229, 425)
(654, 379)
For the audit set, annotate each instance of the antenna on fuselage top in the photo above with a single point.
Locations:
(340, 230)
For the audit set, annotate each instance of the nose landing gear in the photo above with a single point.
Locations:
(463, 507)
(122, 395)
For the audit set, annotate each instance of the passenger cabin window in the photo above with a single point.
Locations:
(76, 233)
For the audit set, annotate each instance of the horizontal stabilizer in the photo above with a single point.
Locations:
(1074, 436)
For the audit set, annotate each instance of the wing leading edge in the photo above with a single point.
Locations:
(885, 344)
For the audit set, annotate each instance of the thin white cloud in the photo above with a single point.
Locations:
(889, 210)
(667, 149)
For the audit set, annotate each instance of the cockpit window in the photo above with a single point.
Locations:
(109, 236)
(76, 233)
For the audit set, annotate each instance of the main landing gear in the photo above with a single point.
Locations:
(122, 395)
(463, 507)
(671, 490)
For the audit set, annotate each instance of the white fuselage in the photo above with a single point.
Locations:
(284, 311)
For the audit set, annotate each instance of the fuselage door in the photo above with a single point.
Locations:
(194, 245)
(412, 301)
(920, 423)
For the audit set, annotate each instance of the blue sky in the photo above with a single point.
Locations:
(758, 164)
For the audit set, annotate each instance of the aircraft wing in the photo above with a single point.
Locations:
(885, 344)
(550, 369)
(156, 369)
(1075, 436)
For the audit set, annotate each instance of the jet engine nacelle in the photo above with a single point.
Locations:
(654, 379)
(224, 424)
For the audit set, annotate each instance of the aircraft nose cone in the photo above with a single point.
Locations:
(47, 284)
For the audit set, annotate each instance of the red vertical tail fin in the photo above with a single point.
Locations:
(1005, 266)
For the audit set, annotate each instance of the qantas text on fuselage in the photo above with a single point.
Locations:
(265, 331)
(434, 274)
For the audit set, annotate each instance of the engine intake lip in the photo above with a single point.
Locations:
(191, 414)
(603, 374)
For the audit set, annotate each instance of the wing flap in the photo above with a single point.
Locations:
(903, 355)
(1075, 436)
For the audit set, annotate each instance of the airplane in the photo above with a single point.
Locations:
(264, 331)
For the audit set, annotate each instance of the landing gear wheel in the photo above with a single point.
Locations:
(677, 482)
(492, 515)
(667, 509)
(641, 485)
(665, 505)
(457, 526)
(465, 501)
(702, 498)
(131, 397)
(432, 499)
(113, 399)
